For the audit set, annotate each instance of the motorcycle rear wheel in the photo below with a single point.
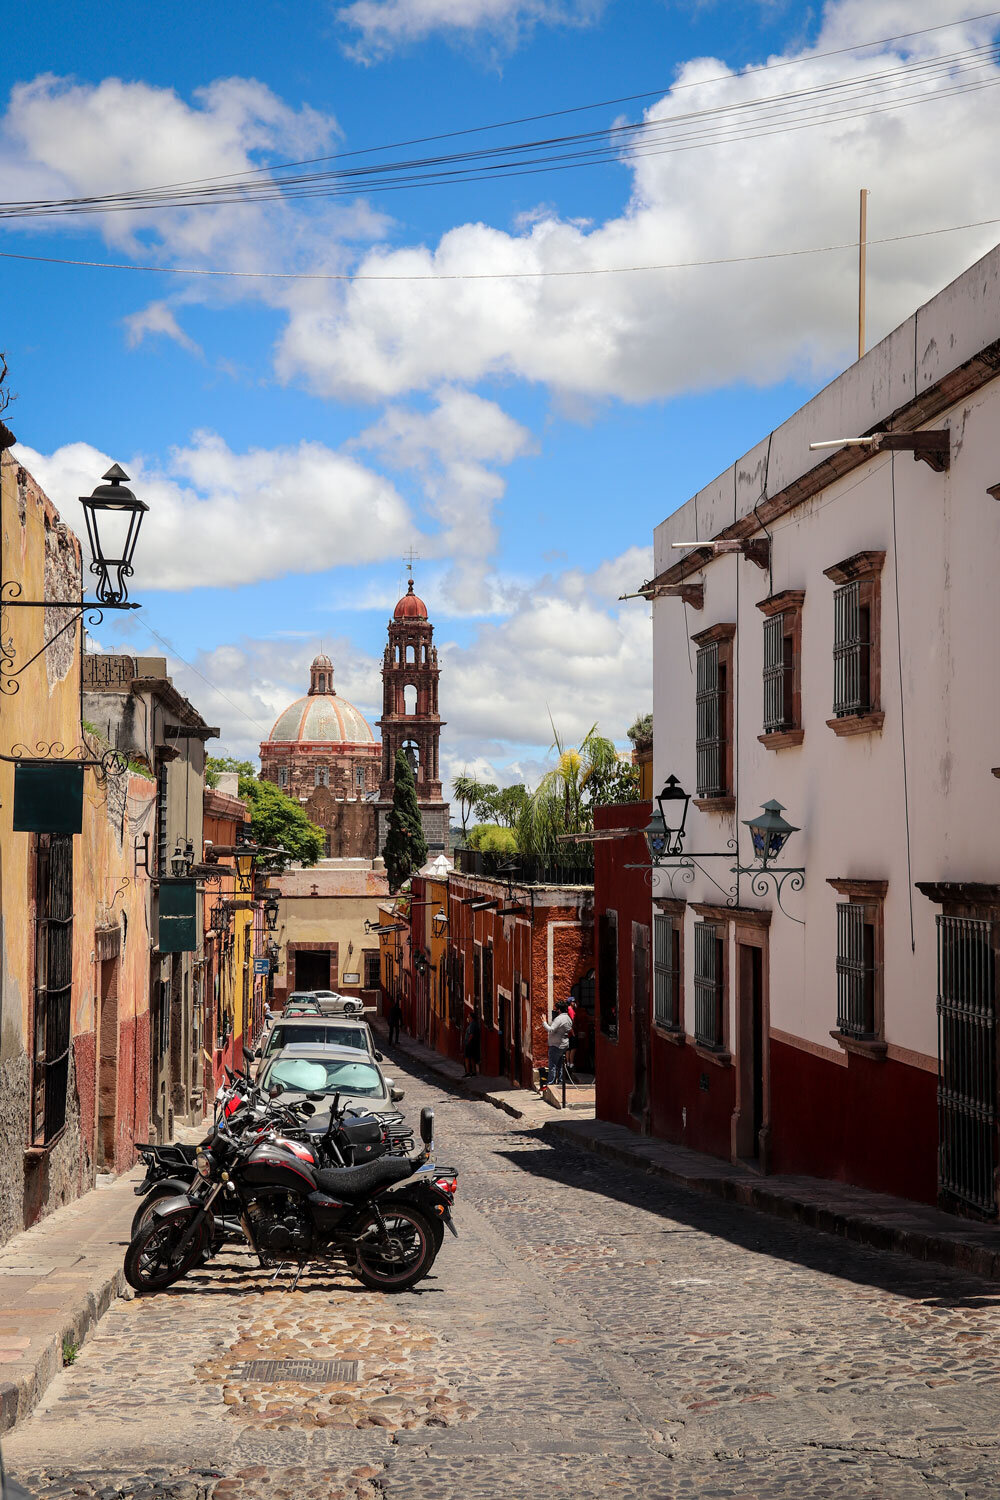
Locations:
(395, 1263)
(151, 1262)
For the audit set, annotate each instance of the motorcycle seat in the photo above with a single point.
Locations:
(355, 1182)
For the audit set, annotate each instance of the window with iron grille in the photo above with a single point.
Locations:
(857, 969)
(371, 958)
(967, 1074)
(710, 742)
(779, 665)
(709, 985)
(477, 979)
(666, 971)
(607, 975)
(162, 868)
(851, 651)
(856, 613)
(456, 987)
(713, 712)
(53, 985)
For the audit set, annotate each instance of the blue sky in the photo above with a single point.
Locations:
(294, 438)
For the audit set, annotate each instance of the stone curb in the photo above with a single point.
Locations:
(426, 1058)
(956, 1252)
(18, 1397)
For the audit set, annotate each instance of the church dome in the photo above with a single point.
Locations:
(410, 607)
(322, 718)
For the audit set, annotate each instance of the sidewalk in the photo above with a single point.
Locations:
(864, 1218)
(523, 1104)
(57, 1280)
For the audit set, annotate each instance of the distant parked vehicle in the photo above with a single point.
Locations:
(340, 1031)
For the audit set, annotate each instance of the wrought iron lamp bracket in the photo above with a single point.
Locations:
(759, 875)
(10, 598)
(110, 763)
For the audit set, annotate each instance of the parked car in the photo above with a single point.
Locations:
(333, 1004)
(317, 1030)
(347, 1071)
(301, 1003)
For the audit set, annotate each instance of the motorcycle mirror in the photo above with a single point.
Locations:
(274, 1091)
(307, 1108)
(427, 1125)
(316, 1098)
(379, 1057)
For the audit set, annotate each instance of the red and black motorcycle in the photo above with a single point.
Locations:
(382, 1219)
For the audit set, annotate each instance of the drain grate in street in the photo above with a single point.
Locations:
(308, 1371)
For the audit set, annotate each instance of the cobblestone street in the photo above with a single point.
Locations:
(592, 1332)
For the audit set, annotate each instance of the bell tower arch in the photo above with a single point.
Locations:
(411, 720)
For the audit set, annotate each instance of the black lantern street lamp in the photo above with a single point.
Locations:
(769, 832)
(244, 862)
(113, 516)
(182, 859)
(439, 921)
(271, 914)
(665, 829)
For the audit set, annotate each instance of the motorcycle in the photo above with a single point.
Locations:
(291, 1209)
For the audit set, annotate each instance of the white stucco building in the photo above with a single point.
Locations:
(843, 664)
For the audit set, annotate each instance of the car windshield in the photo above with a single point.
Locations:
(308, 1075)
(340, 1036)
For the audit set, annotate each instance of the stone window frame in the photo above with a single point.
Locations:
(283, 778)
(869, 895)
(788, 604)
(865, 569)
(721, 636)
(672, 912)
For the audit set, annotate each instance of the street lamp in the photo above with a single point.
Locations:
(664, 832)
(182, 859)
(271, 914)
(439, 921)
(113, 516)
(244, 861)
(769, 832)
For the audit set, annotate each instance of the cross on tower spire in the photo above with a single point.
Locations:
(410, 557)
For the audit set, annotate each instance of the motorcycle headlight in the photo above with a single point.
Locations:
(203, 1163)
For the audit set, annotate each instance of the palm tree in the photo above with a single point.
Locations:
(468, 792)
(563, 800)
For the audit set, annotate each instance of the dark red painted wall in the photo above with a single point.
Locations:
(693, 1098)
(872, 1123)
(617, 888)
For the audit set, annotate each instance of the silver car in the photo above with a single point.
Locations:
(325, 1031)
(353, 1074)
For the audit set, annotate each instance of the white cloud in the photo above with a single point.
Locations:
(158, 318)
(219, 518)
(387, 25)
(449, 449)
(649, 335)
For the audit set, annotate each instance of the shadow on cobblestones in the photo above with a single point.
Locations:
(747, 1229)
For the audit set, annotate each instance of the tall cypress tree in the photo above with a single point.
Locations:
(405, 846)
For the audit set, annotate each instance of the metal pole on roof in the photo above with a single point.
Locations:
(862, 269)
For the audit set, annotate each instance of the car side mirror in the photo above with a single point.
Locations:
(396, 1095)
(274, 1091)
(257, 1052)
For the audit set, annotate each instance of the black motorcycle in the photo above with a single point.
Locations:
(293, 1211)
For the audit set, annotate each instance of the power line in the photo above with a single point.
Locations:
(721, 124)
(663, 89)
(214, 686)
(677, 265)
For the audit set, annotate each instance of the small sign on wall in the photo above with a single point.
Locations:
(48, 798)
(350, 979)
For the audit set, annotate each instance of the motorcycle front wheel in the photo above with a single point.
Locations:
(152, 1261)
(399, 1259)
(144, 1213)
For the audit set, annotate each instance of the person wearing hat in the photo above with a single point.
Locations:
(560, 1029)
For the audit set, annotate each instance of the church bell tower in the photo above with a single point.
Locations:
(410, 719)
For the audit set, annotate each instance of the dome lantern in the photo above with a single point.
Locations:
(321, 675)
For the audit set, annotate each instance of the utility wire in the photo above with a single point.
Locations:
(823, 104)
(677, 265)
(214, 686)
(662, 90)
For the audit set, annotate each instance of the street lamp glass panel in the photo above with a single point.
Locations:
(113, 516)
(769, 832)
(244, 860)
(673, 804)
(271, 914)
(655, 833)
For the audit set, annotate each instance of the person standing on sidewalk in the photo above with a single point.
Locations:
(395, 1021)
(471, 1043)
(559, 1029)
